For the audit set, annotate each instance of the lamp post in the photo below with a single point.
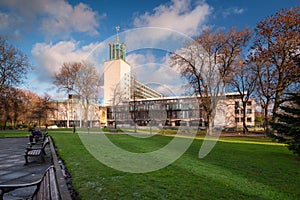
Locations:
(149, 117)
(74, 127)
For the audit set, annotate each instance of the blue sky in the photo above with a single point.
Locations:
(51, 32)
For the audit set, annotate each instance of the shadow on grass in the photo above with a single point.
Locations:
(230, 171)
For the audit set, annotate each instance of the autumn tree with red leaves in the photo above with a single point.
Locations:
(275, 49)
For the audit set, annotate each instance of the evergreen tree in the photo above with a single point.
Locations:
(288, 126)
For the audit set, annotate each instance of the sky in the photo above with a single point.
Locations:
(51, 32)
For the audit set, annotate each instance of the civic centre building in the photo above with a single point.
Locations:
(128, 102)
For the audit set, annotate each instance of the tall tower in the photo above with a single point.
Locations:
(117, 72)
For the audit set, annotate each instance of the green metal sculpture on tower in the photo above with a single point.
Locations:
(116, 49)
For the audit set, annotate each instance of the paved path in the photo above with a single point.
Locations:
(13, 170)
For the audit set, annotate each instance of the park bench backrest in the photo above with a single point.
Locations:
(48, 188)
(46, 141)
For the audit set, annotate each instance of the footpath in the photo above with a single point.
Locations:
(14, 171)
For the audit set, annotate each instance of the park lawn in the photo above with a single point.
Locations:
(237, 168)
(14, 133)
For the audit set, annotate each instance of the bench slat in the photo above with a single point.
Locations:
(53, 185)
(35, 152)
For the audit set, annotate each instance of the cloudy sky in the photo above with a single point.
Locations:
(51, 32)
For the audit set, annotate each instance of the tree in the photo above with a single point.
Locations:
(275, 50)
(265, 88)
(207, 65)
(288, 125)
(244, 82)
(42, 107)
(119, 98)
(82, 79)
(14, 65)
(17, 107)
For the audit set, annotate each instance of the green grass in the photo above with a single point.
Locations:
(14, 133)
(237, 168)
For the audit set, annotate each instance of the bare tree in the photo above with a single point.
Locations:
(121, 99)
(275, 49)
(265, 88)
(208, 63)
(244, 82)
(82, 79)
(117, 100)
(14, 65)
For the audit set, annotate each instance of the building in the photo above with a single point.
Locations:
(178, 111)
(142, 91)
(128, 102)
(234, 113)
(71, 112)
(119, 84)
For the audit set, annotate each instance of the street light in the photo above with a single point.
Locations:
(74, 128)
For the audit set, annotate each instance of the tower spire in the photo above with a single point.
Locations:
(117, 37)
(116, 49)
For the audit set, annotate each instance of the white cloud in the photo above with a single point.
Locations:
(65, 18)
(179, 15)
(232, 10)
(53, 17)
(50, 57)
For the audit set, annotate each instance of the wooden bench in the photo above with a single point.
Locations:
(36, 140)
(47, 187)
(34, 151)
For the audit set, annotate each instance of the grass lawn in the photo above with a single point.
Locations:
(14, 133)
(237, 168)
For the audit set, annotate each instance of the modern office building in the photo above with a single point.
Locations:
(119, 84)
(179, 111)
(128, 101)
(142, 91)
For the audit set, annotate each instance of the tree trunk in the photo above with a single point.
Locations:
(276, 106)
(209, 125)
(278, 94)
(245, 128)
(266, 119)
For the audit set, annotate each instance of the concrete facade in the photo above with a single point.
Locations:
(180, 111)
(71, 112)
(117, 80)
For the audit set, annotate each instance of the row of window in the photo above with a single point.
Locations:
(238, 119)
(155, 114)
(237, 111)
(239, 103)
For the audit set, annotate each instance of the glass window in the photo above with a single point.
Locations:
(249, 111)
(237, 104)
(249, 119)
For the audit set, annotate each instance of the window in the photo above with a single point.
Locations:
(237, 104)
(237, 119)
(249, 119)
(237, 111)
(249, 111)
(249, 103)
